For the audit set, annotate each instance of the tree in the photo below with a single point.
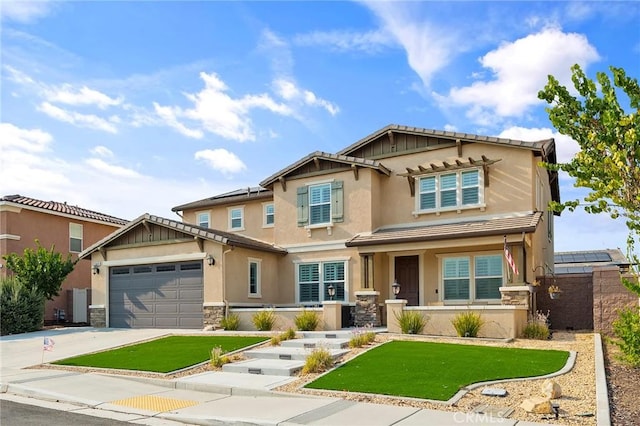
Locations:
(41, 270)
(609, 137)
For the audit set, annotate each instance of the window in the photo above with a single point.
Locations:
(203, 219)
(236, 220)
(254, 277)
(269, 214)
(472, 277)
(75, 237)
(314, 280)
(320, 204)
(450, 191)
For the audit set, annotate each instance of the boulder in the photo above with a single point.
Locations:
(551, 389)
(537, 405)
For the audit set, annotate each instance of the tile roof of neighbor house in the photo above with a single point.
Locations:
(477, 228)
(582, 262)
(542, 145)
(354, 161)
(222, 237)
(237, 196)
(61, 208)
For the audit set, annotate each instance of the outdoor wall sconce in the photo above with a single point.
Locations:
(95, 269)
(332, 291)
(396, 288)
(210, 260)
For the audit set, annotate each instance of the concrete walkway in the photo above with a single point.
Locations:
(207, 399)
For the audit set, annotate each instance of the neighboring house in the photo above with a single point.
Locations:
(430, 210)
(69, 228)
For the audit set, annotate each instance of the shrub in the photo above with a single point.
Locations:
(317, 361)
(230, 322)
(287, 335)
(264, 320)
(467, 324)
(411, 322)
(307, 321)
(537, 326)
(21, 308)
(362, 338)
(218, 359)
(627, 329)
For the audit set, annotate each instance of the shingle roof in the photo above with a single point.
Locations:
(477, 228)
(232, 197)
(62, 208)
(222, 237)
(356, 161)
(464, 137)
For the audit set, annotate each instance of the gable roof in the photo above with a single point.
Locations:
(222, 237)
(541, 145)
(334, 158)
(232, 197)
(62, 209)
(476, 228)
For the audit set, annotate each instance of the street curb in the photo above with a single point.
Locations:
(603, 414)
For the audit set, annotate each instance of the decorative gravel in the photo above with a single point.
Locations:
(577, 404)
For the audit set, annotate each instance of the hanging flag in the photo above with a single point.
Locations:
(510, 261)
(48, 344)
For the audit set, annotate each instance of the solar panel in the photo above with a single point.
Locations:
(582, 257)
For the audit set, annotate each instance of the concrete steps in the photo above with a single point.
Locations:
(289, 358)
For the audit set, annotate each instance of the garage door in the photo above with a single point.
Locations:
(156, 296)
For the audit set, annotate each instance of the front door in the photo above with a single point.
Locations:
(406, 268)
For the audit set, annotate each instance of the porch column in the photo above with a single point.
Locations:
(332, 314)
(516, 295)
(394, 310)
(367, 308)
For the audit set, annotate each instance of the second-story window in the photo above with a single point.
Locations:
(269, 215)
(320, 204)
(203, 219)
(450, 191)
(75, 237)
(236, 218)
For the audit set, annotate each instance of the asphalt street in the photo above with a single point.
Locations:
(16, 414)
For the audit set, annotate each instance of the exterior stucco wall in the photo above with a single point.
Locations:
(50, 230)
(236, 266)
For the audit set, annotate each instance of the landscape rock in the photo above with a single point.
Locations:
(537, 405)
(551, 389)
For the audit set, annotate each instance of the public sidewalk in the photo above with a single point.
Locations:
(206, 399)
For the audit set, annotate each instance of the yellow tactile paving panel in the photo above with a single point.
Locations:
(155, 403)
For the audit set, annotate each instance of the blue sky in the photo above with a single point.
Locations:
(133, 107)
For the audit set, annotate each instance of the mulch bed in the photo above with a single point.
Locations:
(622, 382)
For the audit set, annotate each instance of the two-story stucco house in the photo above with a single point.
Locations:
(430, 210)
(70, 229)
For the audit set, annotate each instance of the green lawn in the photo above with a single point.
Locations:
(162, 355)
(435, 370)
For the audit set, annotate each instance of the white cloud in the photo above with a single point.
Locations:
(566, 148)
(34, 140)
(369, 41)
(289, 91)
(221, 160)
(67, 94)
(450, 128)
(429, 48)
(77, 119)
(169, 117)
(24, 11)
(520, 70)
(111, 169)
(219, 113)
(102, 151)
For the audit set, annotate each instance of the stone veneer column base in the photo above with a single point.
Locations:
(367, 309)
(516, 295)
(213, 315)
(97, 316)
